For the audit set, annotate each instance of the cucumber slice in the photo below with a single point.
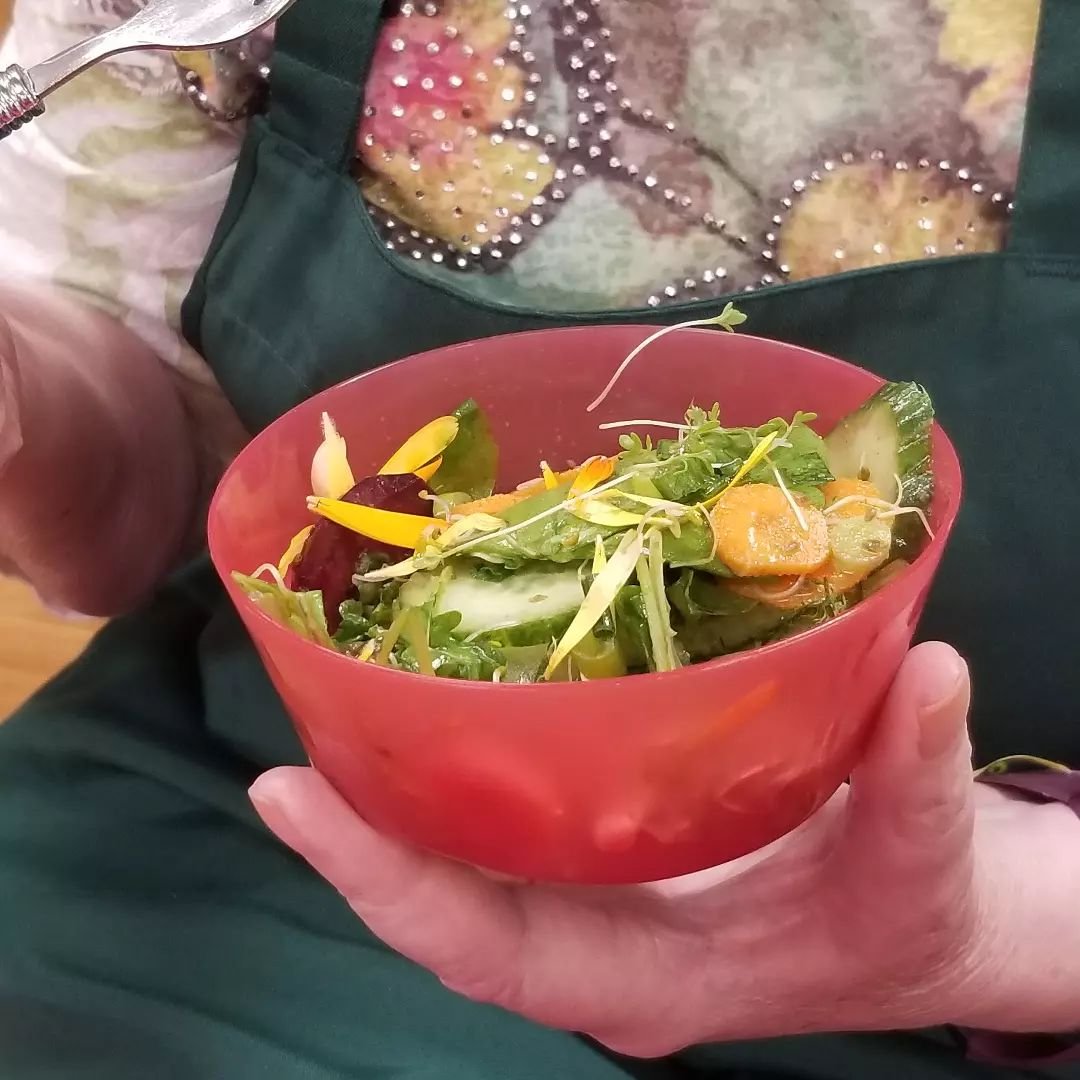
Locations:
(858, 546)
(526, 607)
(886, 438)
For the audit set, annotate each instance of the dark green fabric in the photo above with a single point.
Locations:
(149, 928)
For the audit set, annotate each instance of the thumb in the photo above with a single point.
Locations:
(912, 796)
(449, 918)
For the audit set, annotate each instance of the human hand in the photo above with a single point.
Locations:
(900, 904)
(97, 477)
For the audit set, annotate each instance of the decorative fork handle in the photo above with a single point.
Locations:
(19, 101)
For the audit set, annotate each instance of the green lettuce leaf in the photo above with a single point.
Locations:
(471, 462)
(301, 612)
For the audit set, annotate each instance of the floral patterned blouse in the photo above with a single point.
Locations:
(568, 154)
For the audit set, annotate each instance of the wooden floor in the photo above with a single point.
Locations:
(33, 643)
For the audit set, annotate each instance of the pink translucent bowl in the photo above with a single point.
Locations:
(636, 779)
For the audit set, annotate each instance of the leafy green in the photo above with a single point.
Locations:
(525, 664)
(717, 635)
(632, 628)
(301, 612)
(452, 657)
(367, 617)
(650, 574)
(695, 594)
(470, 463)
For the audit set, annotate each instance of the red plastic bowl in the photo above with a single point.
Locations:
(628, 780)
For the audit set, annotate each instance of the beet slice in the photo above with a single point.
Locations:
(328, 560)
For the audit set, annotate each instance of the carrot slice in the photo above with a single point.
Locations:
(499, 504)
(849, 488)
(758, 533)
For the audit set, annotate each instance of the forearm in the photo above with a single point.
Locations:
(1032, 947)
(97, 473)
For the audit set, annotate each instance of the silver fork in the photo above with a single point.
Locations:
(169, 25)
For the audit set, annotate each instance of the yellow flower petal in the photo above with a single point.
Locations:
(426, 472)
(598, 512)
(599, 560)
(551, 481)
(292, 552)
(595, 471)
(601, 596)
(755, 459)
(398, 530)
(467, 526)
(423, 447)
(331, 476)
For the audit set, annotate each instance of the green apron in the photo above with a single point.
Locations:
(150, 928)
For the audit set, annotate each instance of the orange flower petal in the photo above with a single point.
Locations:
(595, 471)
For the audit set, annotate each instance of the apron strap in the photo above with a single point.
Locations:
(1047, 216)
(323, 50)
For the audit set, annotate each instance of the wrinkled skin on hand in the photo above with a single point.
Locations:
(915, 897)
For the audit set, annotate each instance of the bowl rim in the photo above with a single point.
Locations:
(943, 453)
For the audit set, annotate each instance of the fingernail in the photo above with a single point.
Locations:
(938, 727)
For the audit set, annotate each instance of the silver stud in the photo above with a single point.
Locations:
(767, 253)
(829, 166)
(578, 169)
(877, 155)
(945, 166)
(398, 45)
(901, 166)
(784, 268)
(963, 174)
(798, 185)
(400, 80)
(650, 181)
(879, 248)
(397, 111)
(455, 81)
(925, 223)
(978, 188)
(653, 301)
(929, 250)
(839, 254)
(670, 291)
(847, 157)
